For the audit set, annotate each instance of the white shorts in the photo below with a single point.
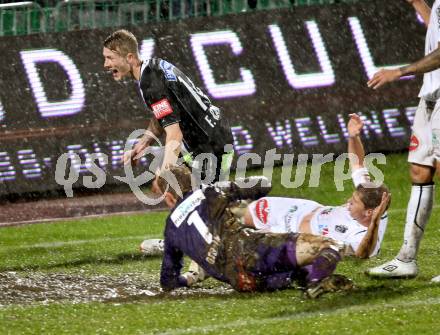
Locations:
(424, 147)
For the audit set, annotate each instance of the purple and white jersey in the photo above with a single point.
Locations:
(200, 227)
(189, 231)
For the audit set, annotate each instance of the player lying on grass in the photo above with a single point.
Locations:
(202, 227)
(353, 223)
(356, 223)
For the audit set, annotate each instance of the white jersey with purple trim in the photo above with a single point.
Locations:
(281, 215)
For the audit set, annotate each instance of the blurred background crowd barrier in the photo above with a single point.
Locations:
(286, 77)
(29, 17)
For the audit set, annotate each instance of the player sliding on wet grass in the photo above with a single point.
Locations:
(360, 224)
(202, 227)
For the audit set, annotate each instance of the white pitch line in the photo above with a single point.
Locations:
(403, 209)
(75, 218)
(298, 316)
(57, 244)
(61, 220)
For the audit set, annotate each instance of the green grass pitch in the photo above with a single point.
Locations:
(88, 259)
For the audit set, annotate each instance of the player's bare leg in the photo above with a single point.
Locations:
(309, 247)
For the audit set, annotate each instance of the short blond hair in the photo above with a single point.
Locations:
(123, 42)
(174, 179)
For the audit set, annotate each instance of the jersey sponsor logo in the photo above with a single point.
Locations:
(167, 69)
(438, 17)
(182, 211)
(323, 229)
(414, 143)
(262, 210)
(341, 229)
(289, 217)
(161, 108)
(326, 211)
(435, 139)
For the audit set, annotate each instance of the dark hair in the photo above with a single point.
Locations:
(123, 42)
(176, 179)
(370, 194)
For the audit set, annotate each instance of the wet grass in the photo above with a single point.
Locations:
(104, 251)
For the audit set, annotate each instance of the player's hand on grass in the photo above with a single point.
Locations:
(355, 125)
(382, 77)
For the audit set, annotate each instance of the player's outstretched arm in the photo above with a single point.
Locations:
(173, 144)
(355, 147)
(427, 64)
(422, 9)
(134, 155)
(368, 243)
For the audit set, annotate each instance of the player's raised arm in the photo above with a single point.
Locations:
(355, 147)
(427, 64)
(422, 9)
(368, 243)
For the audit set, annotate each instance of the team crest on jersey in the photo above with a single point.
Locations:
(414, 143)
(167, 69)
(161, 108)
(262, 210)
(341, 229)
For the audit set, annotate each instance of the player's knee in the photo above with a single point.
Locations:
(247, 219)
(421, 173)
(314, 244)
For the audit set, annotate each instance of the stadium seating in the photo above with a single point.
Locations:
(28, 17)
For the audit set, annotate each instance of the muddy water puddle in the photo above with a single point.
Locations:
(45, 288)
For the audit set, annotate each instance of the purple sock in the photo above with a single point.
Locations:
(323, 266)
